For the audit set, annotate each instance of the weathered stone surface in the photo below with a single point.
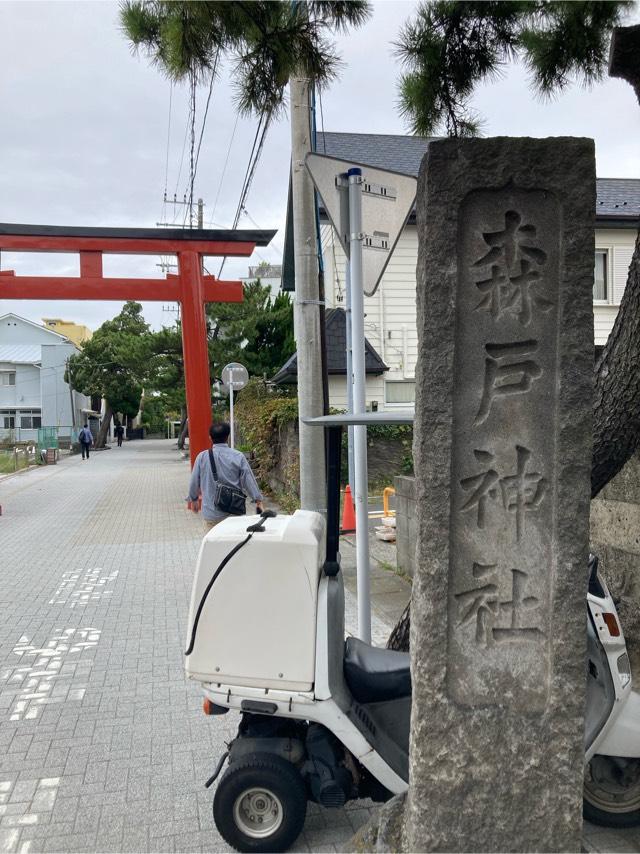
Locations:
(502, 457)
(625, 486)
(406, 523)
(383, 832)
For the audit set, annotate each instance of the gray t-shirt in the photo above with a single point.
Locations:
(233, 469)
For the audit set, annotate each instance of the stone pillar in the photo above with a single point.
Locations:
(502, 455)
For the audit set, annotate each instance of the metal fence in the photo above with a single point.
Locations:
(48, 437)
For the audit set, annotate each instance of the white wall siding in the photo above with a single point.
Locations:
(17, 330)
(338, 392)
(27, 388)
(619, 244)
(396, 324)
(390, 321)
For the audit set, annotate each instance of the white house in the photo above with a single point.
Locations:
(33, 392)
(269, 275)
(390, 315)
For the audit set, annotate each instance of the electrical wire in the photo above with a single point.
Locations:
(254, 158)
(192, 172)
(224, 169)
(166, 165)
(206, 111)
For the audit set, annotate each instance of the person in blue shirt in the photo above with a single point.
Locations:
(86, 440)
(233, 470)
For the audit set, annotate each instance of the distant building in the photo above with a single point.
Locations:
(75, 332)
(269, 274)
(336, 338)
(33, 392)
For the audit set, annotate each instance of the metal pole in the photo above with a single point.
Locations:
(347, 311)
(306, 308)
(359, 405)
(200, 213)
(231, 415)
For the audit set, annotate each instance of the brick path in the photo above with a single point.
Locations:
(103, 744)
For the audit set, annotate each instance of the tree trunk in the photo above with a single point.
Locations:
(184, 432)
(616, 416)
(183, 424)
(101, 438)
(399, 637)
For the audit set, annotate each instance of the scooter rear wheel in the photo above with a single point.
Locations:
(260, 803)
(611, 795)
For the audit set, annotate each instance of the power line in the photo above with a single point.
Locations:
(166, 165)
(206, 111)
(192, 171)
(254, 157)
(224, 169)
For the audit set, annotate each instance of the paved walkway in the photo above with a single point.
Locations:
(103, 744)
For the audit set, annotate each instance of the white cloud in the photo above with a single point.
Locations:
(84, 129)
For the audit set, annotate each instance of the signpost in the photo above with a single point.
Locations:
(235, 376)
(368, 208)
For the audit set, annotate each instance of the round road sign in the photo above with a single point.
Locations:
(235, 375)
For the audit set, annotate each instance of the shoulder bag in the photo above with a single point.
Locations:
(228, 499)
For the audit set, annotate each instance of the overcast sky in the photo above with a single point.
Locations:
(84, 128)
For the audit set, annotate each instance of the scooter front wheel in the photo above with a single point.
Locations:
(611, 795)
(260, 803)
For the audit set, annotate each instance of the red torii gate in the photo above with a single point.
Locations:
(190, 287)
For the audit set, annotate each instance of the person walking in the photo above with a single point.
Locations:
(119, 431)
(231, 469)
(86, 440)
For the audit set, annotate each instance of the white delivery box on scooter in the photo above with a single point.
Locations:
(257, 626)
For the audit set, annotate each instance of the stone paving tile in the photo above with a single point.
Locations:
(103, 744)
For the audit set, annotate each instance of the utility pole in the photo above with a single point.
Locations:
(306, 304)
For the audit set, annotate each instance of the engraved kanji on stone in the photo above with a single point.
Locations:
(512, 244)
(507, 372)
(482, 604)
(484, 486)
(512, 276)
(521, 493)
(512, 293)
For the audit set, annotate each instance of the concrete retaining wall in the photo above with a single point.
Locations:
(406, 523)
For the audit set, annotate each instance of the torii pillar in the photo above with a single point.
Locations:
(190, 287)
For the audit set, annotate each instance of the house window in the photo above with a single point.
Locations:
(403, 392)
(7, 377)
(600, 283)
(30, 420)
(8, 419)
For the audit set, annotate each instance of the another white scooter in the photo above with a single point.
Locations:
(325, 719)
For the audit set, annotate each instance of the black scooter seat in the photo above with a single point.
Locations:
(374, 675)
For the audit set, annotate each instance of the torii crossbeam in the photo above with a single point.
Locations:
(190, 287)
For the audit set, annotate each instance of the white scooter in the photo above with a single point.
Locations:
(327, 720)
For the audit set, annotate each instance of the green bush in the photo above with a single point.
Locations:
(260, 413)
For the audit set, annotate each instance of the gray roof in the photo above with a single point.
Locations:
(21, 354)
(381, 150)
(336, 338)
(616, 197)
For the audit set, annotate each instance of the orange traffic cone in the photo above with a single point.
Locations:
(348, 513)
